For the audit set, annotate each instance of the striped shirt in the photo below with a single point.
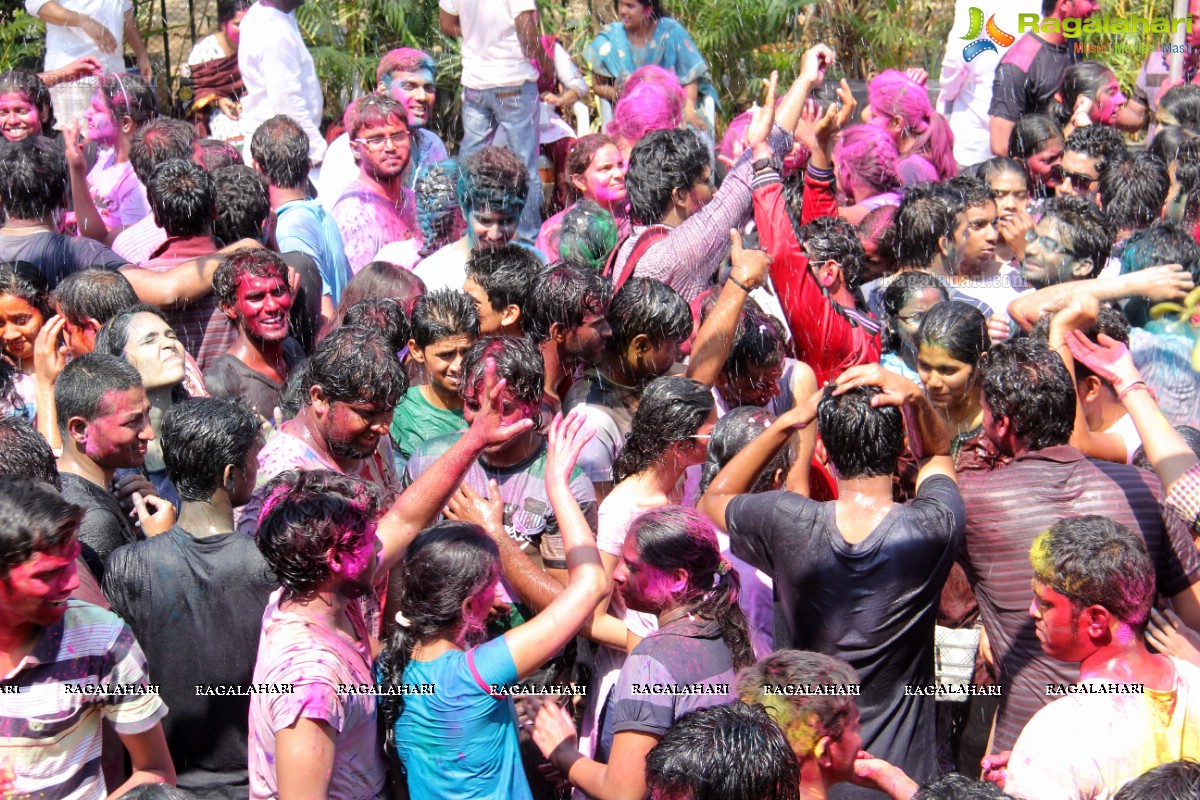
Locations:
(1183, 501)
(1006, 509)
(85, 667)
(199, 323)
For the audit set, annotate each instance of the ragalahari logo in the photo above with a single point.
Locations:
(995, 36)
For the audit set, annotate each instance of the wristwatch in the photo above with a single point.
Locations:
(765, 164)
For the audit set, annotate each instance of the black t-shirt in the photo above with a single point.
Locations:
(1028, 76)
(104, 527)
(196, 607)
(227, 376)
(58, 256)
(872, 604)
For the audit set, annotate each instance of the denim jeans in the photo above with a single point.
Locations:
(515, 110)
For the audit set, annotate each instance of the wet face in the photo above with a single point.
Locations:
(1057, 624)
(587, 343)
(19, 326)
(632, 13)
(355, 563)
(443, 361)
(489, 228)
(1011, 193)
(117, 437)
(694, 450)
(102, 128)
(979, 245)
(154, 350)
(491, 321)
(233, 28)
(908, 318)
(418, 94)
(19, 118)
(755, 386)
(1080, 176)
(948, 381)
(654, 359)
(604, 179)
(644, 587)
(1108, 103)
(384, 150)
(1041, 165)
(35, 592)
(245, 476)
(512, 410)
(1047, 258)
(262, 307)
(352, 430)
(700, 195)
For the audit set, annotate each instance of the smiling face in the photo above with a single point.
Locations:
(700, 195)
(489, 228)
(604, 179)
(351, 430)
(384, 150)
(262, 307)
(1047, 258)
(418, 94)
(632, 13)
(1081, 178)
(102, 128)
(19, 326)
(19, 118)
(117, 437)
(644, 587)
(512, 410)
(35, 592)
(948, 381)
(154, 350)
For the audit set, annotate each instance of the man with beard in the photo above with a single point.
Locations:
(377, 208)
(566, 319)
(253, 288)
(104, 420)
(351, 386)
(407, 76)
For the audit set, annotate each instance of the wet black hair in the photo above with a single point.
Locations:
(383, 315)
(98, 294)
(1133, 190)
(1103, 144)
(33, 518)
(200, 437)
(442, 314)
(33, 178)
(588, 236)
(729, 752)
(280, 149)
(259, 262)
(243, 203)
(903, 288)
(1030, 134)
(759, 342)
(924, 218)
(1110, 322)
(1189, 435)
(83, 383)
(1084, 79)
(959, 787)
(1180, 105)
(518, 362)
(672, 409)
(862, 441)
(730, 435)
(958, 328)
(1176, 780)
(565, 295)
(128, 96)
(1083, 229)
(27, 454)
(160, 139)
(1027, 382)
(28, 83)
(182, 197)
(356, 365)
(24, 280)
(834, 238)
(994, 167)
(661, 162)
(506, 274)
(650, 307)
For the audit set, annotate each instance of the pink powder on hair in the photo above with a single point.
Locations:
(652, 100)
(894, 94)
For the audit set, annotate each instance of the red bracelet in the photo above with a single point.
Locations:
(1136, 385)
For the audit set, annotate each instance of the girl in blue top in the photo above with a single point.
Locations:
(646, 35)
(450, 725)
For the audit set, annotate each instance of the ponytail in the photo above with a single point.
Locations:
(720, 604)
(445, 565)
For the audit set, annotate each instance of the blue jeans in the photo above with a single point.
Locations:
(515, 110)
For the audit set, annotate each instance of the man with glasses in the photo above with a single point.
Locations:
(377, 208)
(1087, 153)
(1071, 241)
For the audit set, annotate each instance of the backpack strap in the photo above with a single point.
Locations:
(647, 239)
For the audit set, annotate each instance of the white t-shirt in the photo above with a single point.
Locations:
(279, 75)
(447, 268)
(491, 52)
(1125, 428)
(64, 45)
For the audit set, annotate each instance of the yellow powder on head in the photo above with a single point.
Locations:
(1040, 558)
(803, 729)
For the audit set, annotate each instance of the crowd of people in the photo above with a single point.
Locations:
(841, 455)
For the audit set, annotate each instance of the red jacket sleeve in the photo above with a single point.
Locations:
(819, 200)
(825, 339)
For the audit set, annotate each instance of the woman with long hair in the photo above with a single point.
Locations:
(901, 106)
(25, 107)
(1007, 180)
(906, 301)
(1091, 95)
(865, 162)
(671, 568)
(216, 81)
(1037, 143)
(950, 342)
(24, 309)
(460, 739)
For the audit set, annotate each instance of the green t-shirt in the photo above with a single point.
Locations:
(416, 420)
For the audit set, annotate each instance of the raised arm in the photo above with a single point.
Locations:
(419, 504)
(1168, 282)
(187, 281)
(535, 642)
(54, 14)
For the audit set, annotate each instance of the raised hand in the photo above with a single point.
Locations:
(894, 388)
(1108, 358)
(567, 438)
(814, 62)
(762, 118)
(486, 511)
(49, 356)
(749, 266)
(489, 425)
(553, 728)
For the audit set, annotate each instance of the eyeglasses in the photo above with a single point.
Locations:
(1052, 246)
(378, 142)
(1077, 180)
(911, 319)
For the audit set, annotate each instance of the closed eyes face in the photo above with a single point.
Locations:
(152, 347)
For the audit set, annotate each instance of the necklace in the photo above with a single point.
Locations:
(24, 230)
